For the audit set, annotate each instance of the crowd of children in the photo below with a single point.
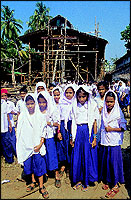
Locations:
(73, 128)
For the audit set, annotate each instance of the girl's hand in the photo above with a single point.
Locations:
(108, 129)
(59, 136)
(71, 143)
(94, 143)
(37, 148)
(10, 128)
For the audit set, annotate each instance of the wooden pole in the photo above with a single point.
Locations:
(13, 72)
(44, 61)
(29, 65)
(87, 74)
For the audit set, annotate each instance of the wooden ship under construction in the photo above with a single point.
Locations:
(67, 54)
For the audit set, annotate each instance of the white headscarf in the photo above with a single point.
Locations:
(28, 134)
(93, 112)
(115, 112)
(61, 93)
(49, 108)
(42, 84)
(66, 101)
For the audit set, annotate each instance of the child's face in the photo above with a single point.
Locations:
(110, 102)
(22, 95)
(40, 88)
(102, 90)
(69, 93)
(30, 104)
(56, 96)
(4, 96)
(82, 98)
(42, 104)
(50, 90)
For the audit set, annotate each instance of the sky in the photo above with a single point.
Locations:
(112, 16)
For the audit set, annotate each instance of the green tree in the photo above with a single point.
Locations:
(110, 64)
(40, 18)
(125, 35)
(10, 27)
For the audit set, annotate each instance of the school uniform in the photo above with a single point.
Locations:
(5, 134)
(28, 136)
(100, 103)
(110, 155)
(49, 116)
(63, 146)
(11, 106)
(20, 105)
(84, 163)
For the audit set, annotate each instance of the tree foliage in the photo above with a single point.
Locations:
(10, 26)
(125, 35)
(39, 20)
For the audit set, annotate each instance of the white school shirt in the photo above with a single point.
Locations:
(99, 101)
(4, 119)
(20, 105)
(82, 114)
(113, 138)
(11, 106)
(100, 104)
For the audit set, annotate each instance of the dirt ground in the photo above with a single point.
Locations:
(17, 189)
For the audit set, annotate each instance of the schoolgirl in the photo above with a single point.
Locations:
(102, 89)
(48, 114)
(84, 163)
(30, 144)
(40, 86)
(11, 107)
(113, 125)
(6, 145)
(20, 103)
(63, 146)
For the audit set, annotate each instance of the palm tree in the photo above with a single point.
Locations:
(10, 26)
(40, 18)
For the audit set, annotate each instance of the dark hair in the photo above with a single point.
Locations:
(57, 90)
(110, 94)
(70, 88)
(82, 90)
(52, 85)
(40, 96)
(102, 83)
(24, 89)
(29, 97)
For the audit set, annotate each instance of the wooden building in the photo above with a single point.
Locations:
(65, 53)
(122, 71)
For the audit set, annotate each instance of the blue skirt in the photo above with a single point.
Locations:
(84, 163)
(63, 146)
(111, 165)
(35, 164)
(6, 145)
(13, 140)
(51, 154)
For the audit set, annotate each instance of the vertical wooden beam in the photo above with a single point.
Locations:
(87, 75)
(48, 71)
(13, 72)
(44, 61)
(96, 66)
(29, 65)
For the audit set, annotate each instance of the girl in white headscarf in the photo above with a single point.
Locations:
(40, 86)
(30, 144)
(113, 126)
(84, 163)
(63, 146)
(47, 113)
